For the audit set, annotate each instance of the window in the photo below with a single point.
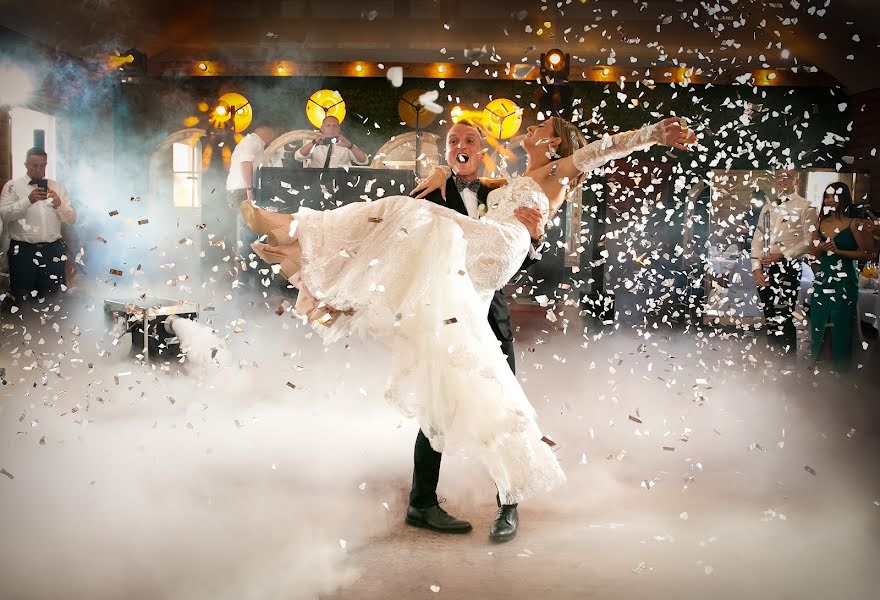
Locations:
(31, 128)
(185, 167)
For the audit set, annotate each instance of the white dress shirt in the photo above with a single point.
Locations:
(471, 203)
(249, 149)
(38, 222)
(315, 159)
(792, 222)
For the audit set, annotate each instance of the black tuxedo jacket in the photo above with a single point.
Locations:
(499, 313)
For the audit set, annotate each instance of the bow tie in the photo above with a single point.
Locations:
(461, 185)
(35, 182)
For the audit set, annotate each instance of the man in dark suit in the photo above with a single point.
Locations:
(466, 193)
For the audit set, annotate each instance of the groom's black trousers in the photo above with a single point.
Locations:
(426, 468)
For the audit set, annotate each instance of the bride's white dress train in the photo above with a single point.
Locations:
(420, 277)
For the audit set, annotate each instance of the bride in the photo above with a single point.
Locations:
(420, 277)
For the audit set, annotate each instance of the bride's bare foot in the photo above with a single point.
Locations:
(272, 254)
(280, 236)
(312, 309)
(262, 221)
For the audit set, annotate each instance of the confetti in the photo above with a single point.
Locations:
(450, 321)
(810, 470)
(116, 272)
(395, 76)
(114, 213)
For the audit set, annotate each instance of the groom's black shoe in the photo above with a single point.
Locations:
(504, 527)
(436, 519)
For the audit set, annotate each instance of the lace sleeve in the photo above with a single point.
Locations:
(611, 147)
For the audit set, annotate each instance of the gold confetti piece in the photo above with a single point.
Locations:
(201, 226)
(635, 419)
(43, 441)
(450, 321)
(116, 272)
(375, 220)
(171, 400)
(548, 441)
(669, 448)
(291, 385)
(135, 198)
(143, 221)
(282, 308)
(114, 213)
(810, 470)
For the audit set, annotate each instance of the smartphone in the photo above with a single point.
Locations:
(43, 184)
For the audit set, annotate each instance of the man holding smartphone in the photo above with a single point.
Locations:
(32, 209)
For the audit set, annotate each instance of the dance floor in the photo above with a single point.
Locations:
(697, 467)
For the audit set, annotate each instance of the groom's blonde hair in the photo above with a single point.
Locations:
(469, 123)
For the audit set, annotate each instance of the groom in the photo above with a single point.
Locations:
(466, 194)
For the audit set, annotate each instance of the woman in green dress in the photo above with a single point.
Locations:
(839, 241)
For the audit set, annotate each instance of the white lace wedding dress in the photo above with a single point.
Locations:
(420, 277)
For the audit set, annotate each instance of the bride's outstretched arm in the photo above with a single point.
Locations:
(668, 132)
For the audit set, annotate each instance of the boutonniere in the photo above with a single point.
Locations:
(482, 209)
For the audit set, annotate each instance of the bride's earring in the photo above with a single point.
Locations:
(552, 153)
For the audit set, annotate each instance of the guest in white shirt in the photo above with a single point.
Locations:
(330, 149)
(245, 162)
(782, 237)
(32, 209)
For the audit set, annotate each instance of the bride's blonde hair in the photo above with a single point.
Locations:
(572, 139)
